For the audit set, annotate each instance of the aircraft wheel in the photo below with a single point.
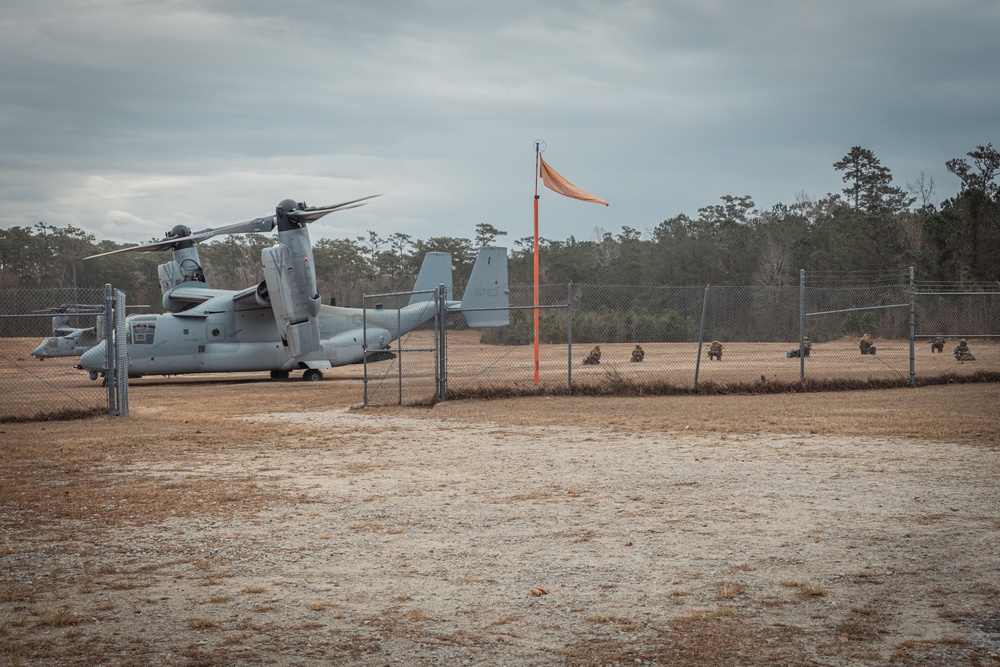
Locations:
(93, 375)
(279, 375)
(312, 375)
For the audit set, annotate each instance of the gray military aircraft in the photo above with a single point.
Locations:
(67, 340)
(280, 324)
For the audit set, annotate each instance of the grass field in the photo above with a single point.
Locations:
(474, 368)
(29, 386)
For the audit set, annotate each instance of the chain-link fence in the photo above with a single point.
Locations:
(613, 339)
(634, 339)
(943, 318)
(401, 370)
(43, 332)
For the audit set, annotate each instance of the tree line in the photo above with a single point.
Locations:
(872, 227)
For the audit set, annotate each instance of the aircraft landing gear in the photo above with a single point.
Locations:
(279, 375)
(93, 375)
(312, 375)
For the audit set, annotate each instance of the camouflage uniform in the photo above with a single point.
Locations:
(638, 354)
(804, 351)
(594, 357)
(962, 352)
(937, 345)
(715, 350)
(866, 345)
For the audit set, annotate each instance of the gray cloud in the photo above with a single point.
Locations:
(127, 117)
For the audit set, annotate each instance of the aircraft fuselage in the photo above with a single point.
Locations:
(222, 335)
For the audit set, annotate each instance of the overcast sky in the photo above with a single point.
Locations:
(126, 117)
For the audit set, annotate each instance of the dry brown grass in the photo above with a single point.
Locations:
(708, 639)
(862, 624)
(730, 590)
(807, 589)
(59, 617)
(964, 412)
(201, 623)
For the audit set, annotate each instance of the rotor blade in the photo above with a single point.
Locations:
(314, 213)
(264, 224)
(162, 244)
(248, 227)
(74, 309)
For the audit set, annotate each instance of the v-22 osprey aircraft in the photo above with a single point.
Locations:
(70, 341)
(280, 324)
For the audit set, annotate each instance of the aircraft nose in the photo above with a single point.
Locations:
(93, 359)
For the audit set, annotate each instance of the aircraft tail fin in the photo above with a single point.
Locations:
(435, 270)
(486, 300)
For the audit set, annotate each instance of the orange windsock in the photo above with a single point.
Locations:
(553, 181)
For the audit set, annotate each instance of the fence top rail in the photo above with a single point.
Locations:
(956, 335)
(626, 286)
(22, 316)
(957, 293)
(539, 307)
(850, 310)
(385, 294)
(856, 287)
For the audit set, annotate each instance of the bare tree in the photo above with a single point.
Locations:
(923, 190)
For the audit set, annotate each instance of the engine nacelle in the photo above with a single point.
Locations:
(183, 268)
(262, 295)
(290, 281)
(170, 276)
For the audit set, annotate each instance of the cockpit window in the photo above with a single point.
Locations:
(142, 333)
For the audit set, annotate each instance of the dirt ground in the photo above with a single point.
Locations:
(243, 522)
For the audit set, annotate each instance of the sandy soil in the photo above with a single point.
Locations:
(243, 522)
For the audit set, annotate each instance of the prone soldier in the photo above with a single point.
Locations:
(807, 347)
(638, 354)
(594, 357)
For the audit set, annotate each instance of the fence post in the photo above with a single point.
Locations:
(802, 325)
(399, 350)
(569, 339)
(701, 337)
(913, 369)
(110, 358)
(364, 348)
(441, 305)
(121, 354)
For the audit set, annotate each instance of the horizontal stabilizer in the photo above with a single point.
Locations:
(486, 300)
(194, 292)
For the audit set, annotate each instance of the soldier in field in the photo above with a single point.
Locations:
(594, 357)
(962, 352)
(638, 354)
(715, 351)
(937, 345)
(866, 345)
(806, 349)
